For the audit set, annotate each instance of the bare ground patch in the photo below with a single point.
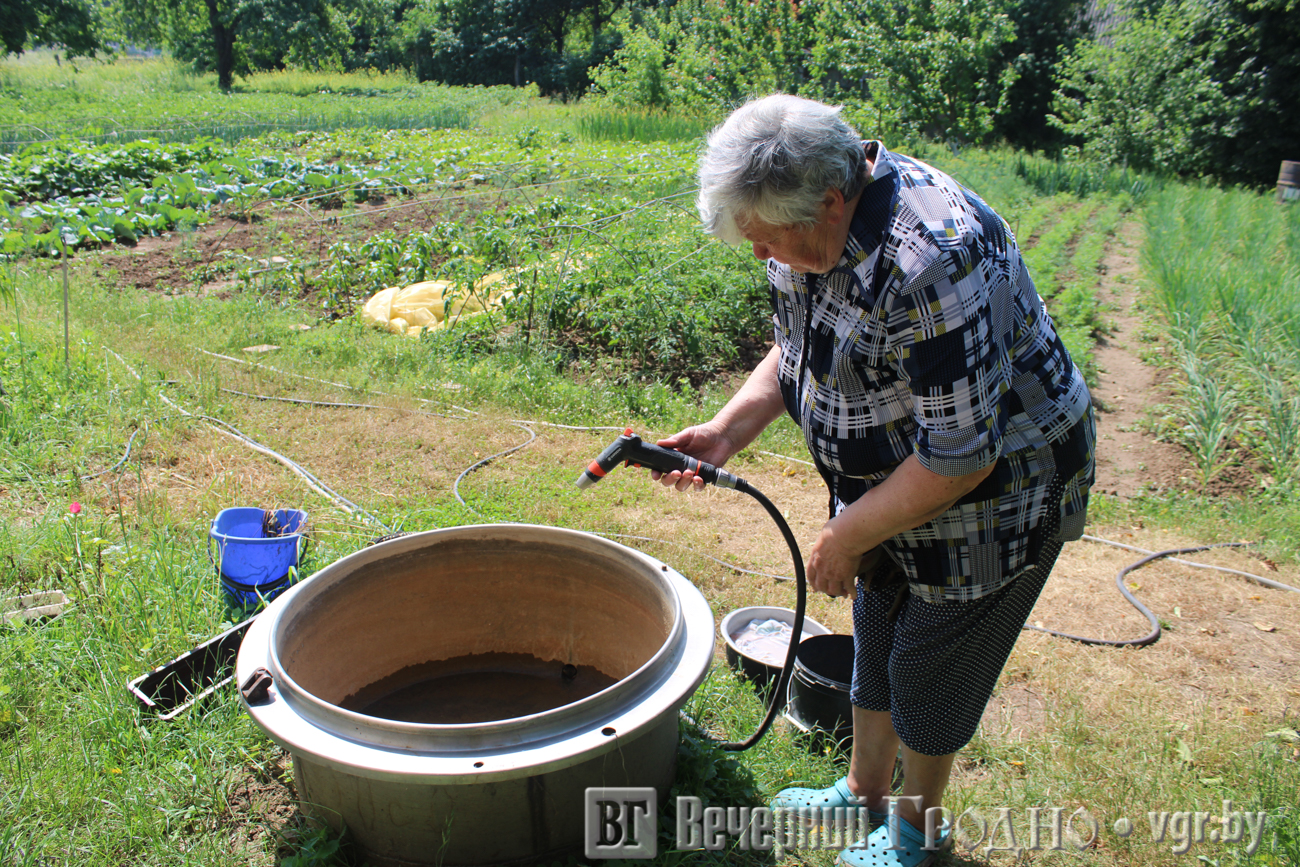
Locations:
(206, 260)
(263, 813)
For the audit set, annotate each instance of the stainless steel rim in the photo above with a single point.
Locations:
(503, 749)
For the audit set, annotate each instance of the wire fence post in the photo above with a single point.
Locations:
(67, 362)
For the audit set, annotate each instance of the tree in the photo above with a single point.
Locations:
(708, 53)
(1045, 33)
(928, 66)
(234, 37)
(1195, 87)
(72, 24)
(512, 42)
(933, 66)
(379, 33)
(307, 34)
(1259, 65)
(470, 42)
(1137, 96)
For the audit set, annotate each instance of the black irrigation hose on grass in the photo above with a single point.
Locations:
(1154, 635)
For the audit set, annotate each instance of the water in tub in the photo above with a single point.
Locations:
(477, 687)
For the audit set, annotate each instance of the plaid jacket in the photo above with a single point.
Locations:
(928, 338)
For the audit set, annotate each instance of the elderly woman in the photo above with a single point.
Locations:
(952, 428)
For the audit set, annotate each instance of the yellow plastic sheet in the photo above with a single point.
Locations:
(433, 304)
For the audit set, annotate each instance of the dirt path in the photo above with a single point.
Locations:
(1129, 459)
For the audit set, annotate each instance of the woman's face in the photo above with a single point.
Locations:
(812, 250)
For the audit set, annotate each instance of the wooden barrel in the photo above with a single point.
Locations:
(1288, 181)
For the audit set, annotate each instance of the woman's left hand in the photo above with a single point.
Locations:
(910, 496)
(833, 565)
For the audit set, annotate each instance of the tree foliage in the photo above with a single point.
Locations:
(1195, 87)
(234, 37)
(550, 42)
(935, 64)
(71, 24)
(705, 53)
(1259, 65)
(379, 32)
(1139, 96)
(1045, 33)
(930, 66)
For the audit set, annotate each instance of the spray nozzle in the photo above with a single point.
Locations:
(630, 449)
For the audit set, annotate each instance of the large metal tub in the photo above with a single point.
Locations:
(497, 792)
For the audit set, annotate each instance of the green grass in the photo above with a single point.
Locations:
(1103, 776)
(1075, 303)
(1085, 265)
(1080, 178)
(126, 100)
(1029, 223)
(643, 126)
(1052, 252)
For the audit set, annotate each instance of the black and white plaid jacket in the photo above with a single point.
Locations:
(928, 338)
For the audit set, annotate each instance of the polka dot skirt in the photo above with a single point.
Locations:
(933, 666)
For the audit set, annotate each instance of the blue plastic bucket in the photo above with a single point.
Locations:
(256, 551)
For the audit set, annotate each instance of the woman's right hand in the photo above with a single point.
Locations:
(707, 442)
(750, 410)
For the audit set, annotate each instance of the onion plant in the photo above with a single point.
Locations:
(1209, 411)
(1280, 428)
(1224, 270)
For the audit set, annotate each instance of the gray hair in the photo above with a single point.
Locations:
(773, 160)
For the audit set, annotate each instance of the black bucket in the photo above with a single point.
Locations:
(819, 689)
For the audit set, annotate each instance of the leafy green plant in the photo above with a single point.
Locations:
(639, 125)
(66, 167)
(1081, 178)
(619, 279)
(716, 777)
(1280, 428)
(122, 210)
(1224, 275)
(1210, 418)
(1052, 252)
(318, 846)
